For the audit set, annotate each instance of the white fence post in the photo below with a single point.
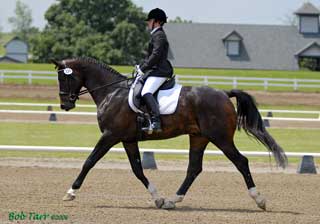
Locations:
(1, 77)
(206, 80)
(295, 85)
(235, 82)
(29, 77)
(265, 84)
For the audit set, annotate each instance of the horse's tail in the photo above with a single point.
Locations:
(249, 118)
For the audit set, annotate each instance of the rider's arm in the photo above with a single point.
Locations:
(159, 45)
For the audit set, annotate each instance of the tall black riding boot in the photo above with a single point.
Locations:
(154, 110)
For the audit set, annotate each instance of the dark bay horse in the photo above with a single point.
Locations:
(205, 114)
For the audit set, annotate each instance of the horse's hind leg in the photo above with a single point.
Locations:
(242, 164)
(102, 147)
(133, 153)
(197, 147)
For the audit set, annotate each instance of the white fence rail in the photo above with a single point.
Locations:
(26, 74)
(156, 151)
(95, 114)
(235, 82)
(94, 106)
(42, 104)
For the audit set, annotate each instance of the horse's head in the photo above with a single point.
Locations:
(70, 83)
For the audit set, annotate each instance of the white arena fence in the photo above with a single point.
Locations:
(235, 82)
(156, 151)
(95, 114)
(4, 111)
(94, 106)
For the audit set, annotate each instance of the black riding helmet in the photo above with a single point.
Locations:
(157, 14)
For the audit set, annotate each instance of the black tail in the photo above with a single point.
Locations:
(249, 118)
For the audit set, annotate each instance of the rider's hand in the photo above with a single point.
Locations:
(138, 71)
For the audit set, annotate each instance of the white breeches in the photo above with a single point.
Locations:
(152, 85)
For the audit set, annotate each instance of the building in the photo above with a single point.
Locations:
(16, 51)
(236, 46)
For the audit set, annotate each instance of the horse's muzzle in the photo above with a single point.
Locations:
(67, 106)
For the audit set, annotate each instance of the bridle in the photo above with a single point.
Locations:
(68, 72)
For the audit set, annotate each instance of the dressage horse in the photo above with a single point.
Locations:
(203, 113)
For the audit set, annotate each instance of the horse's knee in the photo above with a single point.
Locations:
(244, 160)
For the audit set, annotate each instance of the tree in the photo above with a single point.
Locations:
(178, 19)
(22, 21)
(109, 30)
(290, 19)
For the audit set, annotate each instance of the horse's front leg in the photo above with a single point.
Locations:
(197, 147)
(133, 153)
(102, 147)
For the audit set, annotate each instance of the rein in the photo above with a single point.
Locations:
(100, 87)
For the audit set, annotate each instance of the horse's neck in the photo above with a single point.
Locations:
(99, 79)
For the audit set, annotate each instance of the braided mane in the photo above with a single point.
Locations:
(92, 61)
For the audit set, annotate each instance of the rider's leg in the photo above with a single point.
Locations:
(151, 85)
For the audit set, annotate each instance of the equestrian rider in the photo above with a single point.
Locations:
(155, 66)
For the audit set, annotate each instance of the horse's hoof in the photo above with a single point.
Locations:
(159, 202)
(262, 204)
(68, 197)
(168, 205)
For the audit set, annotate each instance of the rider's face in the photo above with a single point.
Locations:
(152, 24)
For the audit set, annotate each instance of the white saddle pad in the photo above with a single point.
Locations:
(168, 100)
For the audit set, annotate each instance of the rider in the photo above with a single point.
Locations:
(156, 66)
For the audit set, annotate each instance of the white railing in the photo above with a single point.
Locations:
(94, 106)
(235, 82)
(95, 114)
(156, 151)
(42, 104)
(26, 74)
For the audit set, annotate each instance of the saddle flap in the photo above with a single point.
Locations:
(167, 96)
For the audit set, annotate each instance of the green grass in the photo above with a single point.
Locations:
(53, 134)
(294, 140)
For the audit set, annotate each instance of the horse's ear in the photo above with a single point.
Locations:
(57, 63)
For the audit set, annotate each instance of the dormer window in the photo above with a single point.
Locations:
(232, 42)
(233, 47)
(308, 19)
(309, 24)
